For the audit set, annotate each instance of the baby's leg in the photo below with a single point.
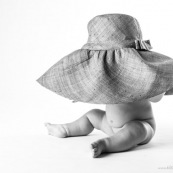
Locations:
(82, 126)
(132, 134)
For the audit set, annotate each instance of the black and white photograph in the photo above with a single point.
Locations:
(86, 86)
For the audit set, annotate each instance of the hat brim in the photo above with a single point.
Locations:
(110, 76)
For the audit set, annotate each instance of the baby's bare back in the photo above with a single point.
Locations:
(119, 114)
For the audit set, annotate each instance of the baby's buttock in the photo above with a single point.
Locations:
(118, 115)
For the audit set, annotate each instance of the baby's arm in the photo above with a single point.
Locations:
(156, 98)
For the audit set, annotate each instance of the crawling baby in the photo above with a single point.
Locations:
(127, 125)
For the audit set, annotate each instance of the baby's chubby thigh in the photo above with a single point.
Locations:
(136, 127)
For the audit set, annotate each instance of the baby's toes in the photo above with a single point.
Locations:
(49, 127)
(95, 149)
(93, 145)
(47, 124)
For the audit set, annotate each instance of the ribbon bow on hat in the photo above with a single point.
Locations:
(143, 44)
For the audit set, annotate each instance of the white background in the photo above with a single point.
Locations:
(35, 34)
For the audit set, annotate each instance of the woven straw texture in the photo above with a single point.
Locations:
(114, 66)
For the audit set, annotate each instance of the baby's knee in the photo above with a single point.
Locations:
(141, 131)
(95, 116)
(95, 112)
(136, 128)
(150, 131)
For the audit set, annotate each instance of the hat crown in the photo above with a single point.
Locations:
(113, 28)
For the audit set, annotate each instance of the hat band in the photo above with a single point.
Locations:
(136, 44)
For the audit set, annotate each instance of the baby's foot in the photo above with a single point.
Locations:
(98, 147)
(58, 130)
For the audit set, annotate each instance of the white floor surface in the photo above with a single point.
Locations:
(47, 154)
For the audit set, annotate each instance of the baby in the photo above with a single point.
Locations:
(127, 125)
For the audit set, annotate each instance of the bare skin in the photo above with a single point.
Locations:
(123, 123)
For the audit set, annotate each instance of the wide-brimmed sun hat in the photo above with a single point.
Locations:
(114, 66)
